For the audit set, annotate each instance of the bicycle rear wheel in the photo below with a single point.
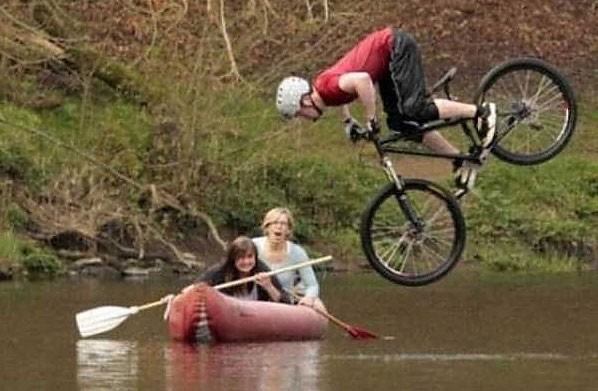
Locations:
(406, 254)
(536, 110)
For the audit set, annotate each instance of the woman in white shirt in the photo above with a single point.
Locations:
(277, 251)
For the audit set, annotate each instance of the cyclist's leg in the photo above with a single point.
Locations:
(390, 102)
(453, 109)
(485, 113)
(394, 118)
(436, 142)
(408, 77)
(407, 74)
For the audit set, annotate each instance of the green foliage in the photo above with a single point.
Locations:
(27, 258)
(324, 194)
(528, 216)
(15, 164)
(15, 216)
(249, 161)
(509, 255)
(37, 263)
(10, 246)
(344, 243)
(115, 132)
(17, 148)
(558, 197)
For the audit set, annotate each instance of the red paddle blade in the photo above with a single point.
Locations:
(358, 333)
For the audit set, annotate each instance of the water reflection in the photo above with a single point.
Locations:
(246, 366)
(115, 365)
(107, 365)
(456, 357)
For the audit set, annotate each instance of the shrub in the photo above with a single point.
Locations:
(38, 263)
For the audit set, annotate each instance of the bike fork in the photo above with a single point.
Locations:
(401, 196)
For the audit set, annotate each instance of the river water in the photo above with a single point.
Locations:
(469, 331)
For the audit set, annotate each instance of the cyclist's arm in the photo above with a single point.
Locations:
(345, 112)
(360, 83)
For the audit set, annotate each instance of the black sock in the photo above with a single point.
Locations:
(482, 111)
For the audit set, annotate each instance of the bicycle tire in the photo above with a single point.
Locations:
(387, 236)
(536, 107)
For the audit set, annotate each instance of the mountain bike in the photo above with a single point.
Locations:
(413, 231)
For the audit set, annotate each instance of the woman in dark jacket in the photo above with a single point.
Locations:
(240, 262)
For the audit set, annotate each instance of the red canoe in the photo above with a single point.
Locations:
(203, 314)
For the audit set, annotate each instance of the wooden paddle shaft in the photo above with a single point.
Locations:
(274, 272)
(332, 318)
(153, 304)
(242, 280)
(323, 312)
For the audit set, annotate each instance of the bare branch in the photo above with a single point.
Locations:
(310, 14)
(269, 7)
(229, 47)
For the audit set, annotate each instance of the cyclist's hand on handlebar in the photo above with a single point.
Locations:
(353, 129)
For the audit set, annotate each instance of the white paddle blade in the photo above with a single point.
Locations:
(101, 319)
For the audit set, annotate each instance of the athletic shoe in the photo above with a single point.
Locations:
(487, 124)
(466, 174)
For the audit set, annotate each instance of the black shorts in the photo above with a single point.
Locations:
(403, 87)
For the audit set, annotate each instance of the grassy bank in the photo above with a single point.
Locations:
(235, 161)
(541, 217)
(526, 218)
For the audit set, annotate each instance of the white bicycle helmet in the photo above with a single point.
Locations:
(288, 96)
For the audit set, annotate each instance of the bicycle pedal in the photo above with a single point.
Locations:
(460, 193)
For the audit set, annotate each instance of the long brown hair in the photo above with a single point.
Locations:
(238, 248)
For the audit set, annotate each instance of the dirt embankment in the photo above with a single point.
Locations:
(270, 38)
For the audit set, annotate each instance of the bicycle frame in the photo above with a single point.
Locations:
(385, 146)
(413, 230)
(409, 130)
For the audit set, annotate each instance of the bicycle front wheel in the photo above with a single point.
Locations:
(409, 253)
(536, 110)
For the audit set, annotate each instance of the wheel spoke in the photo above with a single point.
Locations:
(539, 106)
(542, 84)
(379, 232)
(435, 254)
(391, 250)
(402, 261)
(543, 101)
(415, 252)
